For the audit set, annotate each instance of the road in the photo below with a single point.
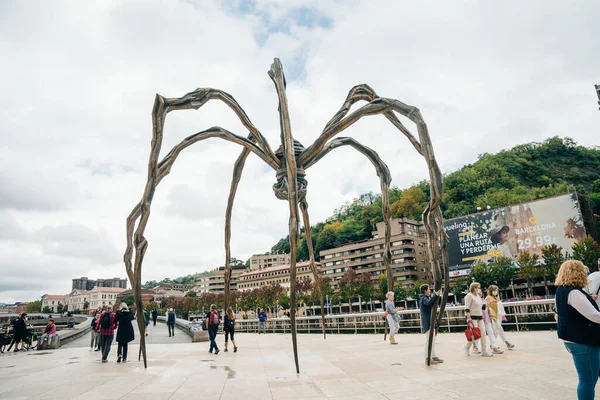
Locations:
(158, 334)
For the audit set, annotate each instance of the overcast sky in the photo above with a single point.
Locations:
(78, 81)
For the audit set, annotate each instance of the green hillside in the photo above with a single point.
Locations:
(523, 173)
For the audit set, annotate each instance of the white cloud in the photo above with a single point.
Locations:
(80, 81)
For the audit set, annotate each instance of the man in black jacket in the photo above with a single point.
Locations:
(154, 316)
(426, 302)
(19, 332)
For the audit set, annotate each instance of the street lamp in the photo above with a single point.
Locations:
(359, 304)
(328, 311)
(512, 286)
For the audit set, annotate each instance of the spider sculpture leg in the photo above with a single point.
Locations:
(432, 217)
(276, 74)
(237, 175)
(385, 179)
(313, 265)
(157, 171)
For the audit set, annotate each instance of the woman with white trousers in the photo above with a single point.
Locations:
(474, 312)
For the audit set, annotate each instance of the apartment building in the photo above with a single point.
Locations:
(100, 296)
(273, 275)
(84, 283)
(409, 255)
(260, 261)
(214, 281)
(76, 300)
(52, 301)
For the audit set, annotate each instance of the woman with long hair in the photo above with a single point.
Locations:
(229, 328)
(579, 325)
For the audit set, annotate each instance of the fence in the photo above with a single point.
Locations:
(521, 316)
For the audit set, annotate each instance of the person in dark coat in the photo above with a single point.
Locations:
(125, 332)
(426, 302)
(171, 322)
(19, 329)
(154, 317)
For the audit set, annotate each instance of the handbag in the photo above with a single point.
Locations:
(472, 332)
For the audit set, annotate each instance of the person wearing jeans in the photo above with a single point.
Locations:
(474, 312)
(262, 319)
(107, 331)
(214, 319)
(579, 325)
(426, 302)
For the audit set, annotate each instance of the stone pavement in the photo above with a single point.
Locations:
(341, 367)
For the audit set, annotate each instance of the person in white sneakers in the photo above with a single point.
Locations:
(489, 330)
(474, 312)
(390, 311)
(426, 303)
(497, 314)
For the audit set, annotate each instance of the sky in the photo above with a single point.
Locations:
(78, 81)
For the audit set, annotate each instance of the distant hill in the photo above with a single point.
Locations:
(523, 173)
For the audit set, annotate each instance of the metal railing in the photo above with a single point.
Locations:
(520, 315)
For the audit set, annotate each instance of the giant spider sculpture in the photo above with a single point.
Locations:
(290, 162)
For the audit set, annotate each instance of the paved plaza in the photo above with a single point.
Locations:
(341, 367)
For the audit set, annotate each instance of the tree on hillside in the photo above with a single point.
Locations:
(411, 204)
(529, 268)
(587, 250)
(33, 306)
(327, 240)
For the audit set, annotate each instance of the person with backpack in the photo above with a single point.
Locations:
(125, 332)
(229, 328)
(154, 316)
(107, 325)
(214, 319)
(99, 341)
(262, 320)
(171, 322)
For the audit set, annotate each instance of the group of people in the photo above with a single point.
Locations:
(104, 325)
(483, 313)
(213, 320)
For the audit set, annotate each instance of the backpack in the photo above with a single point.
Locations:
(105, 321)
(231, 324)
(214, 318)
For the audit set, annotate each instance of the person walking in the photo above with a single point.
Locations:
(579, 325)
(229, 328)
(426, 302)
(497, 314)
(154, 316)
(107, 325)
(102, 310)
(125, 332)
(489, 330)
(214, 319)
(391, 315)
(171, 322)
(147, 319)
(473, 311)
(262, 320)
(94, 334)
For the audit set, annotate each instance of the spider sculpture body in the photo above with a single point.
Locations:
(290, 162)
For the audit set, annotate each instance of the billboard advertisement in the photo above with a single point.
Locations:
(504, 232)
